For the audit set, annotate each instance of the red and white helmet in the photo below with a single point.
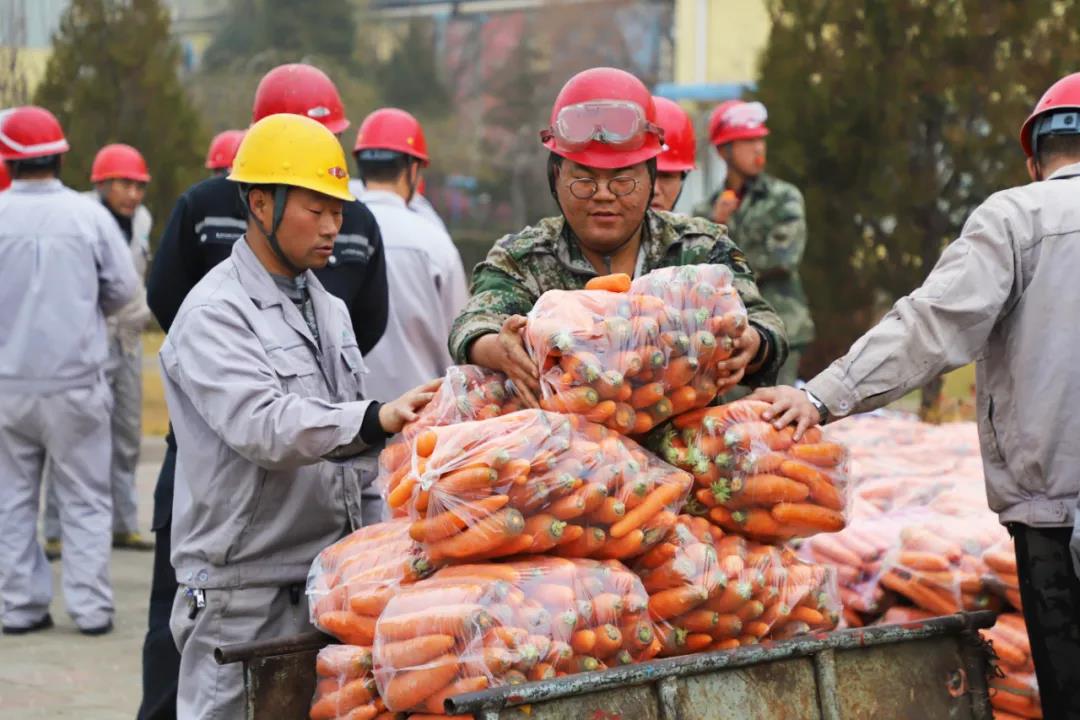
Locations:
(5, 178)
(222, 150)
(1057, 102)
(604, 118)
(30, 132)
(299, 89)
(737, 120)
(119, 162)
(679, 143)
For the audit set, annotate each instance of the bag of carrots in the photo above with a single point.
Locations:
(712, 591)
(469, 627)
(350, 581)
(752, 479)
(534, 482)
(1001, 576)
(345, 687)
(468, 392)
(1014, 691)
(631, 360)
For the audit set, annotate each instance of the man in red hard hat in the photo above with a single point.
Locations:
(1003, 294)
(423, 267)
(603, 139)
(677, 159)
(765, 217)
(222, 150)
(120, 175)
(65, 266)
(205, 224)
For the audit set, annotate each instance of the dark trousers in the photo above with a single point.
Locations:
(1050, 592)
(161, 660)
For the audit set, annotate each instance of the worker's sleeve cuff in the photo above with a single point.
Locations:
(830, 388)
(470, 331)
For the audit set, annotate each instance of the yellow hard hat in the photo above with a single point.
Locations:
(292, 150)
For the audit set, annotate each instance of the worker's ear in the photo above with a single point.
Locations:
(1033, 170)
(414, 174)
(261, 205)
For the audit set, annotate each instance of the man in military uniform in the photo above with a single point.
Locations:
(604, 141)
(765, 218)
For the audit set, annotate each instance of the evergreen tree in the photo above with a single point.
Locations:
(409, 77)
(112, 77)
(897, 119)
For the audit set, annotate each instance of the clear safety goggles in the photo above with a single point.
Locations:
(619, 124)
(746, 115)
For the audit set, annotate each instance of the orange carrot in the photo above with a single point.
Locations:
(583, 641)
(455, 519)
(676, 601)
(679, 372)
(452, 620)
(821, 454)
(407, 690)
(698, 621)
(1000, 561)
(353, 694)
(822, 490)
(664, 495)
(415, 651)
(921, 560)
(682, 399)
(425, 443)
(757, 522)
(643, 423)
(616, 283)
(485, 535)
(436, 703)
(608, 641)
(465, 480)
(611, 511)
(401, 494)
(923, 596)
(568, 507)
(766, 490)
(348, 627)
(647, 395)
(571, 533)
(808, 517)
(588, 545)
(343, 661)
(578, 399)
(542, 671)
(603, 410)
(624, 547)
(801, 613)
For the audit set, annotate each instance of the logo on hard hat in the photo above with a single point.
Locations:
(338, 172)
(318, 112)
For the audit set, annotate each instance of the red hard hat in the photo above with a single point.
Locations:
(604, 118)
(679, 142)
(392, 129)
(5, 178)
(223, 149)
(119, 162)
(1062, 95)
(299, 89)
(737, 120)
(30, 132)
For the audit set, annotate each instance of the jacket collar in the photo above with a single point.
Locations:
(1066, 172)
(36, 186)
(260, 287)
(381, 197)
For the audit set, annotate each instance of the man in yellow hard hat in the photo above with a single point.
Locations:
(264, 382)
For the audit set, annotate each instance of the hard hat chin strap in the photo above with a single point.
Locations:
(281, 195)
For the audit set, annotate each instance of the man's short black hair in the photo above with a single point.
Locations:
(29, 166)
(1053, 148)
(382, 166)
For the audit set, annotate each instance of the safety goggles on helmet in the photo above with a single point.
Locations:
(745, 115)
(619, 124)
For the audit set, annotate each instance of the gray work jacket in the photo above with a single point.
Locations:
(256, 405)
(1006, 293)
(64, 266)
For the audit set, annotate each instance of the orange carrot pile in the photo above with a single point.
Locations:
(1000, 576)
(345, 688)
(533, 482)
(711, 591)
(352, 580)
(1016, 695)
(469, 627)
(752, 479)
(631, 360)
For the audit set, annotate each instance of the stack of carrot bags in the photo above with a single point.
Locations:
(921, 542)
(505, 557)
(632, 355)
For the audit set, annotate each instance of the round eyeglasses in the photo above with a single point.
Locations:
(585, 188)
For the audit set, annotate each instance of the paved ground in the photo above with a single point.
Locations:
(62, 674)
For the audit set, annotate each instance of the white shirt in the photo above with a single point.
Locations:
(427, 290)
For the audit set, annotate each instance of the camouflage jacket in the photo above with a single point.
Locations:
(770, 227)
(524, 265)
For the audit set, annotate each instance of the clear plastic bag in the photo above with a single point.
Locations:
(1000, 575)
(344, 685)
(351, 581)
(754, 480)
(468, 392)
(632, 360)
(1014, 691)
(534, 482)
(469, 627)
(711, 591)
